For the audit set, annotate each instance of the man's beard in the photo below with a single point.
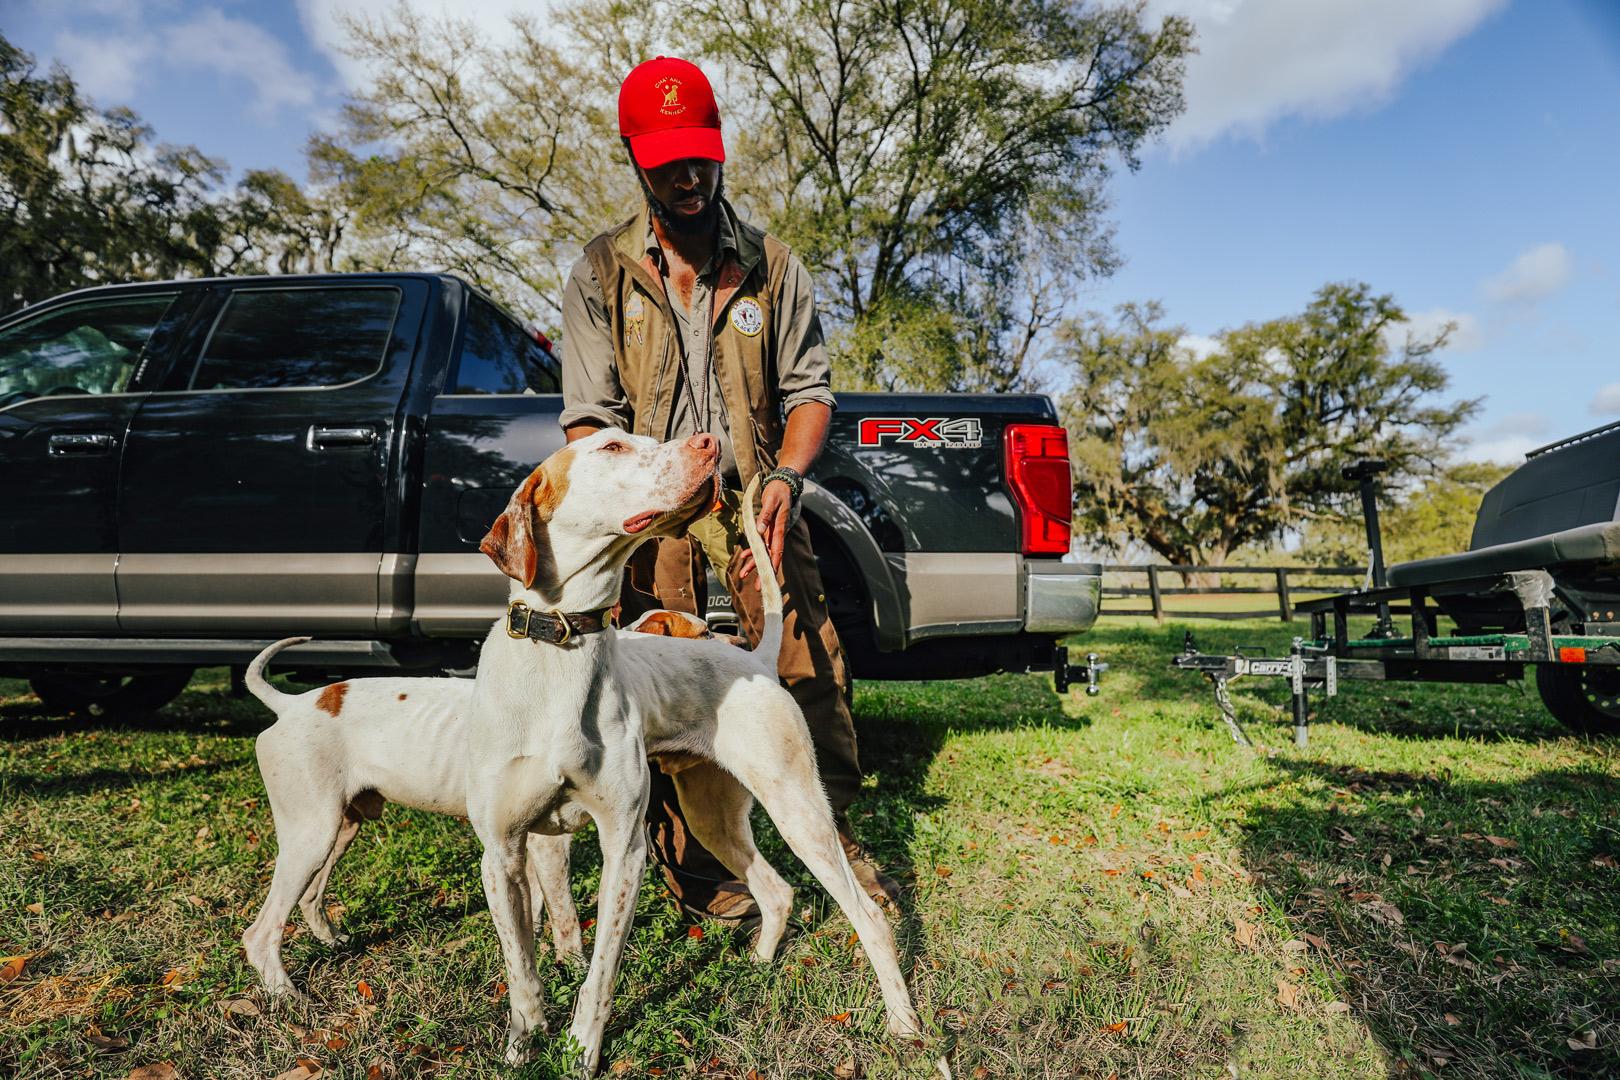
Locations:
(680, 224)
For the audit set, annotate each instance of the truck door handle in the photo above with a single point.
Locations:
(80, 443)
(339, 438)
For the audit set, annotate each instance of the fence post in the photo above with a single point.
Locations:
(1153, 592)
(1284, 603)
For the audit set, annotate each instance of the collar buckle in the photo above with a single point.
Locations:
(513, 629)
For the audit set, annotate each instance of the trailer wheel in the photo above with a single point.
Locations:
(1584, 699)
(114, 697)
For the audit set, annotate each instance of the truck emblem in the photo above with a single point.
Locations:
(958, 433)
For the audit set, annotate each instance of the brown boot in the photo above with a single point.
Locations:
(878, 885)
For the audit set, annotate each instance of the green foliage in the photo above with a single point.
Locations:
(1434, 518)
(939, 164)
(1196, 458)
(87, 198)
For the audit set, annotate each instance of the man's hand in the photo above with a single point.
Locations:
(775, 509)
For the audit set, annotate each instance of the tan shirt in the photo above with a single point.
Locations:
(591, 389)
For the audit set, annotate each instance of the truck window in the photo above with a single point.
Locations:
(92, 347)
(300, 337)
(499, 357)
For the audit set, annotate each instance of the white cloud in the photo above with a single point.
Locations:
(323, 22)
(1507, 440)
(1466, 335)
(216, 42)
(1199, 345)
(107, 70)
(111, 68)
(1262, 60)
(1535, 275)
(1607, 401)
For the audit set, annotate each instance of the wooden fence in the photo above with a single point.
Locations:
(1283, 583)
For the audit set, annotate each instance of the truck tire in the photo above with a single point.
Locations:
(1585, 699)
(114, 697)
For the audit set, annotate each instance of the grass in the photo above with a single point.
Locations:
(1097, 887)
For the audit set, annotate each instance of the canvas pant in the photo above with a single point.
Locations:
(670, 574)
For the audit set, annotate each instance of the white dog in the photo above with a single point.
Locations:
(564, 718)
(332, 758)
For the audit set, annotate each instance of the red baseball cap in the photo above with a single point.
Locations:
(667, 111)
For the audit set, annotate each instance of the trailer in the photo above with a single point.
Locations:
(1538, 590)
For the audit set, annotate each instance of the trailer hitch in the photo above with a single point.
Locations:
(1065, 675)
(1302, 670)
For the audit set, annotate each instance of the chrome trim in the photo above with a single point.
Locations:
(317, 592)
(458, 594)
(957, 593)
(58, 593)
(200, 651)
(1061, 602)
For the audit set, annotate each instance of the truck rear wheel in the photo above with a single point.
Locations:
(1585, 699)
(115, 697)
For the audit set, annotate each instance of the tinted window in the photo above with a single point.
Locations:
(499, 357)
(297, 337)
(88, 348)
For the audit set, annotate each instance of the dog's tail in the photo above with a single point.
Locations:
(255, 680)
(770, 639)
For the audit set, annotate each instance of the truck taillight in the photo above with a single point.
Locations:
(1037, 457)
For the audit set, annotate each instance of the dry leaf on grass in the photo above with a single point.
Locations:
(163, 1070)
(35, 908)
(1451, 1019)
(694, 931)
(1334, 1008)
(980, 1073)
(620, 1067)
(1246, 933)
(301, 1072)
(1587, 1040)
(839, 1018)
(1501, 842)
(11, 967)
(1115, 1029)
(106, 1044)
(241, 1007)
(1383, 911)
(848, 1070)
(1287, 994)
(364, 989)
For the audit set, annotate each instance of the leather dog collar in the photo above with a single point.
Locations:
(554, 627)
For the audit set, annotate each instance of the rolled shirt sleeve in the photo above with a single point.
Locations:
(590, 379)
(803, 373)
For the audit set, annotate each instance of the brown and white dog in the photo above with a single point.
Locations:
(559, 734)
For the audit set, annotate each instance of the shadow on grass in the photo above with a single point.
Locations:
(1501, 939)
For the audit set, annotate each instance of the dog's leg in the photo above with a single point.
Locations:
(716, 809)
(620, 826)
(548, 884)
(506, 886)
(313, 903)
(786, 783)
(303, 848)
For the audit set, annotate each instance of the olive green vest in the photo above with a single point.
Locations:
(643, 331)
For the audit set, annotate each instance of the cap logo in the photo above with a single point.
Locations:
(670, 87)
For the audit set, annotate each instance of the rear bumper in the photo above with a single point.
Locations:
(1061, 598)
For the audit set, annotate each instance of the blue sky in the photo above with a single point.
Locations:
(1462, 155)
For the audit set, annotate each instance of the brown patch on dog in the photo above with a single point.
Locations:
(673, 624)
(367, 804)
(402, 697)
(510, 542)
(331, 699)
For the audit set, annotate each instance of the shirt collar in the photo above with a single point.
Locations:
(727, 243)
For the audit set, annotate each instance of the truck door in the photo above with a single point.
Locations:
(68, 387)
(495, 421)
(256, 497)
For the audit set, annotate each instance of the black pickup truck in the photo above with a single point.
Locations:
(191, 469)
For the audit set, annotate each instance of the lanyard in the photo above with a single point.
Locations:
(705, 339)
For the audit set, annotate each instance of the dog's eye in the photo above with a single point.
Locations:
(613, 447)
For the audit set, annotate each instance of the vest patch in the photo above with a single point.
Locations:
(635, 317)
(747, 316)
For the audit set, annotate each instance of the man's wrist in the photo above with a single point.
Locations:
(789, 476)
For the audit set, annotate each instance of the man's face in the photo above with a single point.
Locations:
(686, 191)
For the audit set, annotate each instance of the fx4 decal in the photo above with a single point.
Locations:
(958, 433)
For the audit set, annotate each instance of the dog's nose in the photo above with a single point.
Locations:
(704, 443)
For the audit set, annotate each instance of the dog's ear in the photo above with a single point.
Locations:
(511, 542)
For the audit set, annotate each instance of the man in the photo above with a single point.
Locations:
(684, 320)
